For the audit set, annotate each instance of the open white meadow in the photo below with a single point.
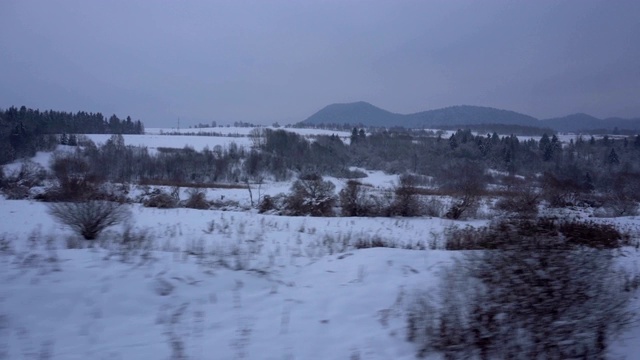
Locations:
(155, 138)
(214, 284)
(219, 284)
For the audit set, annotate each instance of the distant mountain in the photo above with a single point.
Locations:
(466, 115)
(354, 113)
(366, 114)
(369, 115)
(585, 122)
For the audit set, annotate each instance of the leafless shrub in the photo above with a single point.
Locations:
(433, 207)
(592, 234)
(197, 199)
(507, 233)
(30, 174)
(267, 204)
(224, 204)
(383, 204)
(406, 201)
(161, 200)
(522, 200)
(356, 200)
(15, 192)
(561, 192)
(466, 183)
(373, 242)
(131, 244)
(17, 185)
(464, 205)
(621, 196)
(89, 218)
(75, 181)
(618, 204)
(539, 296)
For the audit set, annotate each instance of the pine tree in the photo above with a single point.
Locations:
(73, 140)
(453, 143)
(613, 159)
(354, 136)
(544, 142)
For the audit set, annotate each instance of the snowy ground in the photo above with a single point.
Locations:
(153, 142)
(268, 287)
(227, 285)
(157, 137)
(216, 284)
(245, 131)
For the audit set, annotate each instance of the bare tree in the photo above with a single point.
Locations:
(311, 195)
(355, 200)
(76, 181)
(91, 217)
(466, 183)
(258, 138)
(406, 202)
(622, 198)
(522, 199)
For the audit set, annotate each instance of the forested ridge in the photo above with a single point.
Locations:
(24, 131)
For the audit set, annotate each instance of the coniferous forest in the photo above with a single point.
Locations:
(24, 131)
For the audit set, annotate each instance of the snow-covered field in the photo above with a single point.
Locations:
(215, 284)
(153, 142)
(221, 284)
(244, 131)
(155, 138)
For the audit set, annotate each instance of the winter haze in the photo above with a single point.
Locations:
(266, 61)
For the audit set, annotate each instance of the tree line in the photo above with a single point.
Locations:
(602, 172)
(24, 131)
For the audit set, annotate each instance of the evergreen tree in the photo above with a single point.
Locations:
(354, 136)
(612, 158)
(453, 143)
(544, 142)
(73, 140)
(362, 135)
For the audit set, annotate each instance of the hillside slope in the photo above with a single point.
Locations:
(366, 114)
(354, 113)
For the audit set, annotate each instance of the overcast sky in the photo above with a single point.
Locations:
(264, 61)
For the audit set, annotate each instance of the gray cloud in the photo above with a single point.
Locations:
(264, 61)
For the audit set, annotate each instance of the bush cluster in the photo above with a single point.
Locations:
(508, 233)
(540, 289)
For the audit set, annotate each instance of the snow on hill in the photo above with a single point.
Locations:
(243, 131)
(155, 138)
(153, 142)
